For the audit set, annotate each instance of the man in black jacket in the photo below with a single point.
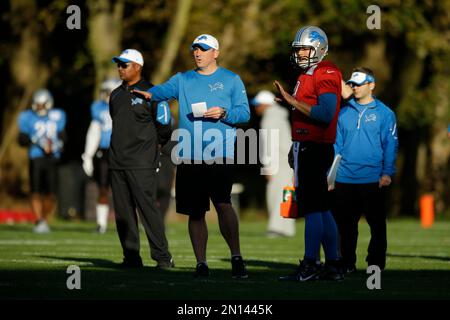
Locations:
(137, 130)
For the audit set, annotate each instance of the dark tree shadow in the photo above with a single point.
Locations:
(396, 255)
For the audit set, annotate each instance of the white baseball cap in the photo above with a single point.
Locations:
(206, 42)
(263, 97)
(360, 78)
(130, 55)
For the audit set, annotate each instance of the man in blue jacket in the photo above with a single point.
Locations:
(367, 141)
(212, 100)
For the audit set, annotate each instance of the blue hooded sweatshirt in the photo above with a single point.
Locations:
(367, 141)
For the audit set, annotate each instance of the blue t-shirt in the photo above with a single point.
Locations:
(201, 138)
(100, 113)
(43, 130)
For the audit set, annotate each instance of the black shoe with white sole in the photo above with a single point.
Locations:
(308, 270)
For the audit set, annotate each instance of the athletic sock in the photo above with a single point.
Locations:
(330, 236)
(102, 211)
(313, 235)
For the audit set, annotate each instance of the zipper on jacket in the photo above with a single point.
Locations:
(360, 116)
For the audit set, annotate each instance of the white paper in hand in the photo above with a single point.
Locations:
(331, 177)
(198, 109)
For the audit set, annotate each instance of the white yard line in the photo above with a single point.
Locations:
(34, 261)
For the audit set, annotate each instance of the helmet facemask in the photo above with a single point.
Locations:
(42, 102)
(41, 111)
(304, 62)
(313, 38)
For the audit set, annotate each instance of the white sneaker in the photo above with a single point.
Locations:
(100, 229)
(41, 227)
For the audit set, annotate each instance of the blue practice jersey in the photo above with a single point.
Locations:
(201, 138)
(43, 130)
(100, 113)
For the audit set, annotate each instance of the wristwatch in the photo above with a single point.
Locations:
(224, 114)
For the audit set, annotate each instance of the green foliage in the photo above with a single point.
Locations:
(410, 54)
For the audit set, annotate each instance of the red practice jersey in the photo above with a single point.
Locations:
(324, 78)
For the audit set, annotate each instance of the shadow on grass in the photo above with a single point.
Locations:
(102, 281)
(396, 255)
(267, 264)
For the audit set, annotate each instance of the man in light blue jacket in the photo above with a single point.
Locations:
(212, 101)
(367, 141)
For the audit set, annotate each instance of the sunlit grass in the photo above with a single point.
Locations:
(34, 266)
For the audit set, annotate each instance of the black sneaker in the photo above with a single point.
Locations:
(238, 270)
(306, 271)
(333, 271)
(164, 265)
(134, 263)
(201, 270)
(350, 269)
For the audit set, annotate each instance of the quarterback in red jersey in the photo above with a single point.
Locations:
(315, 106)
(322, 80)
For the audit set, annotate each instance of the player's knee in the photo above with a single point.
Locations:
(198, 216)
(224, 208)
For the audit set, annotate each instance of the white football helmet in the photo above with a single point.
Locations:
(313, 38)
(42, 97)
(107, 87)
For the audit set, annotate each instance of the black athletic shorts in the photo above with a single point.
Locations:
(101, 175)
(196, 184)
(313, 162)
(43, 175)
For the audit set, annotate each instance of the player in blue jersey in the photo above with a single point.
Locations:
(41, 128)
(212, 100)
(95, 156)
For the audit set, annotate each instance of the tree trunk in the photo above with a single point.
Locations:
(28, 74)
(439, 147)
(105, 35)
(172, 41)
(246, 33)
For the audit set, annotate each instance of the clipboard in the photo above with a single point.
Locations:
(331, 177)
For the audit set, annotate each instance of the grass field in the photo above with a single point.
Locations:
(34, 266)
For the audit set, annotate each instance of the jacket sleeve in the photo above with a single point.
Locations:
(167, 90)
(339, 143)
(161, 116)
(326, 108)
(240, 111)
(390, 144)
(93, 137)
(271, 123)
